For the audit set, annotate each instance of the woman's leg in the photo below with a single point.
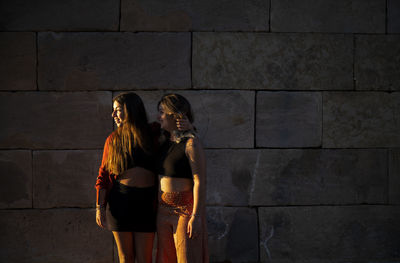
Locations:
(125, 246)
(143, 246)
(165, 242)
(188, 250)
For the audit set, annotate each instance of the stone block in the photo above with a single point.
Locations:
(49, 120)
(231, 176)
(65, 178)
(361, 119)
(272, 61)
(377, 62)
(345, 16)
(59, 15)
(319, 177)
(393, 13)
(232, 234)
(114, 61)
(394, 176)
(17, 61)
(56, 235)
(208, 15)
(289, 119)
(224, 119)
(16, 178)
(329, 234)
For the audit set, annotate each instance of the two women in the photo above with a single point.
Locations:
(126, 185)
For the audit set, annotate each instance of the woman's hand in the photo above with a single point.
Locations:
(183, 124)
(101, 217)
(194, 227)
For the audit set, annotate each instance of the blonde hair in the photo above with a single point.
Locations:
(177, 105)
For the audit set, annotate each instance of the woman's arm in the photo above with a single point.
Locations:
(102, 185)
(197, 160)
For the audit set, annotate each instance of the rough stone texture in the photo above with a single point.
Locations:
(289, 119)
(187, 15)
(345, 16)
(355, 119)
(16, 179)
(49, 120)
(377, 60)
(114, 61)
(393, 13)
(232, 234)
(329, 234)
(319, 177)
(59, 15)
(272, 61)
(224, 119)
(57, 235)
(65, 178)
(394, 176)
(230, 176)
(17, 61)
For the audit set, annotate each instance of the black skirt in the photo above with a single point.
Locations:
(131, 209)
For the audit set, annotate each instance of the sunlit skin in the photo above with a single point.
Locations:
(118, 114)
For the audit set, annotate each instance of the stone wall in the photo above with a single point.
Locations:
(297, 103)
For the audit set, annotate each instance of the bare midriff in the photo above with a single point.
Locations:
(137, 177)
(172, 184)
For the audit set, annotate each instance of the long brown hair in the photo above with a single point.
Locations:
(133, 134)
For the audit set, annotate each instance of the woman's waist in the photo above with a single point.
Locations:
(175, 184)
(137, 177)
(176, 199)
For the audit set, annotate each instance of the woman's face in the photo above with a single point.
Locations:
(167, 121)
(118, 113)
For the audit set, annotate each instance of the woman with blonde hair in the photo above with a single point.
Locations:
(181, 221)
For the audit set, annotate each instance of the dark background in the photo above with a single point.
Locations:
(296, 101)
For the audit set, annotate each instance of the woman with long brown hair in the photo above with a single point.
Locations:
(126, 184)
(181, 223)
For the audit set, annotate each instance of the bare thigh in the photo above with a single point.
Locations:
(143, 246)
(124, 240)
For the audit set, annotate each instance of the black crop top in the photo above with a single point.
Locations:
(142, 159)
(174, 162)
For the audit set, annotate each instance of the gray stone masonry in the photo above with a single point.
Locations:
(320, 177)
(65, 178)
(344, 16)
(377, 62)
(329, 234)
(298, 177)
(224, 119)
(394, 177)
(17, 61)
(56, 235)
(114, 61)
(232, 234)
(272, 61)
(50, 120)
(393, 16)
(289, 119)
(296, 102)
(230, 176)
(16, 179)
(186, 15)
(361, 119)
(59, 15)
